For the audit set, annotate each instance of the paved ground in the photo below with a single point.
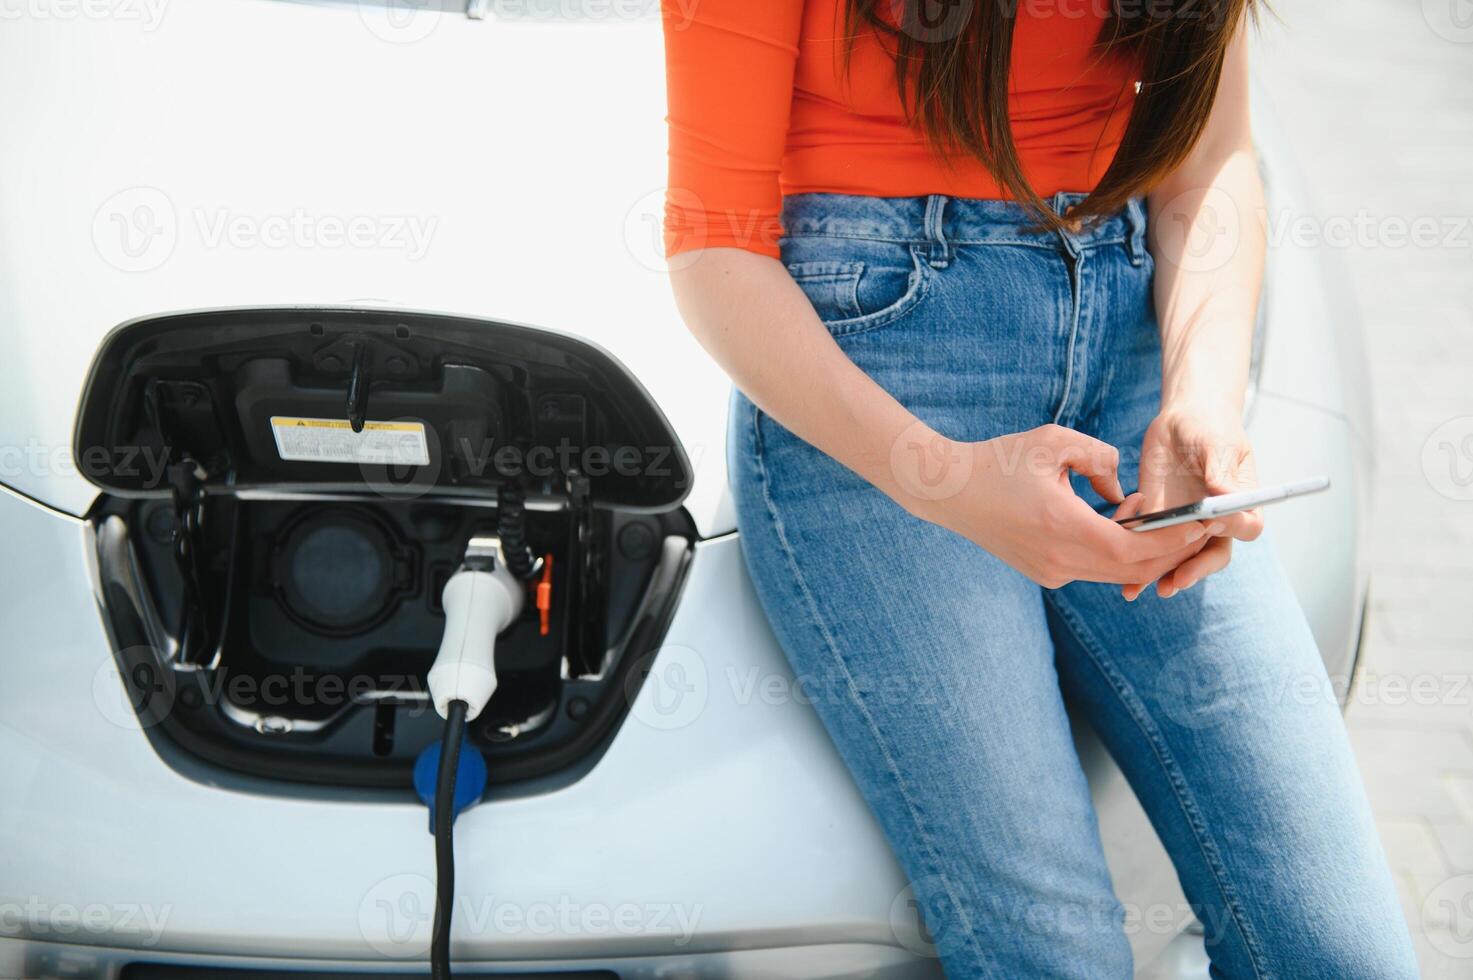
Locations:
(1380, 96)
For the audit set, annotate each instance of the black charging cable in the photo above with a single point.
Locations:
(511, 528)
(445, 839)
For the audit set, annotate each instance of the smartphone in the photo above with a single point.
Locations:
(1223, 504)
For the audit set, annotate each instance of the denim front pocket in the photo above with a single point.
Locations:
(857, 285)
(832, 287)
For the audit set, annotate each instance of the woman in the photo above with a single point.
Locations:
(943, 252)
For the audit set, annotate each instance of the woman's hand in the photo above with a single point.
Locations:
(1189, 454)
(1015, 500)
(1206, 291)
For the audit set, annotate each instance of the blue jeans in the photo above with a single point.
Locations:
(942, 674)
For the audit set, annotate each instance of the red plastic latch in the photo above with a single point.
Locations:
(544, 593)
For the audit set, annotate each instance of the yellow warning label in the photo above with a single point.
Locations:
(334, 441)
(344, 424)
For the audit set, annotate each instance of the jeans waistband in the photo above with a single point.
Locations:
(938, 222)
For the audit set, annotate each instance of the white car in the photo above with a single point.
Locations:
(213, 218)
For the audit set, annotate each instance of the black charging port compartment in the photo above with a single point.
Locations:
(275, 616)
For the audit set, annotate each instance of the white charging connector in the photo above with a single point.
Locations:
(481, 599)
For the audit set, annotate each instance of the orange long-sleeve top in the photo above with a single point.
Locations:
(760, 106)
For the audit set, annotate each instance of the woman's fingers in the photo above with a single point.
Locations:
(1103, 551)
(1124, 547)
(1096, 548)
(1213, 558)
(1131, 506)
(1236, 472)
(1244, 526)
(1096, 461)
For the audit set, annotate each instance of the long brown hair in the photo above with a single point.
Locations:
(953, 78)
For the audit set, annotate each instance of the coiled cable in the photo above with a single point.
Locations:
(511, 528)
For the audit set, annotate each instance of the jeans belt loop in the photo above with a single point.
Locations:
(938, 249)
(1135, 213)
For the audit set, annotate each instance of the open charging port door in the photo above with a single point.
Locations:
(287, 491)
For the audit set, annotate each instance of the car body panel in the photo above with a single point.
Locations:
(854, 961)
(1314, 535)
(91, 793)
